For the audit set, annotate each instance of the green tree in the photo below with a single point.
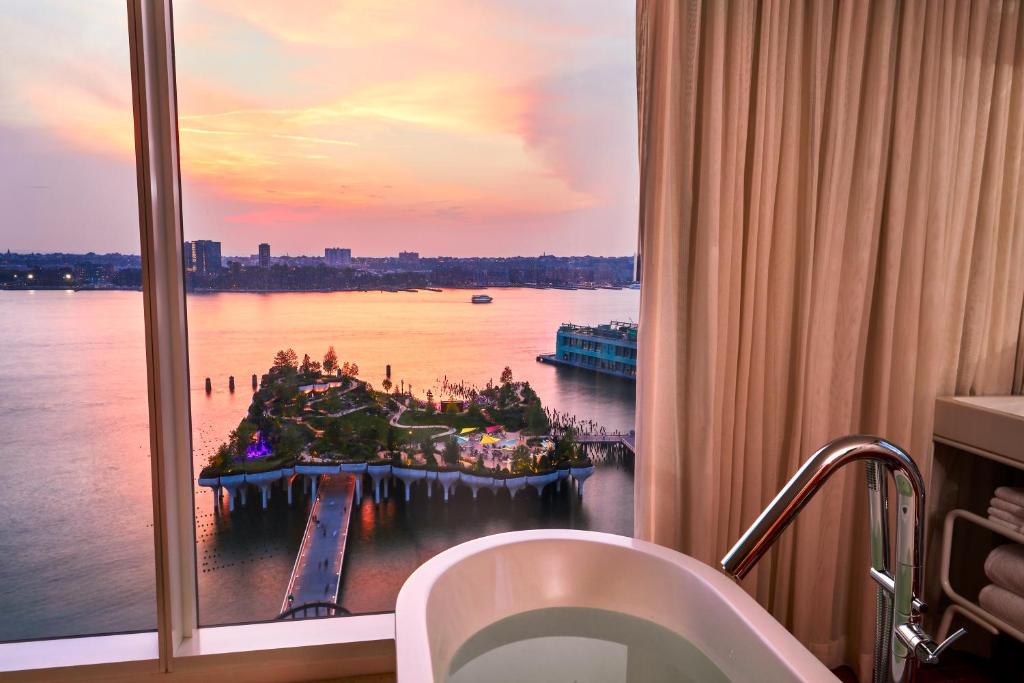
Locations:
(506, 375)
(330, 360)
(306, 365)
(427, 448)
(286, 359)
(290, 441)
(242, 436)
(386, 384)
(334, 435)
(536, 421)
(520, 459)
(565, 447)
(452, 452)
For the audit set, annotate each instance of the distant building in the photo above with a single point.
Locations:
(337, 257)
(608, 349)
(204, 257)
(187, 260)
(264, 255)
(408, 257)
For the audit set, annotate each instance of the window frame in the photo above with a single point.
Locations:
(179, 648)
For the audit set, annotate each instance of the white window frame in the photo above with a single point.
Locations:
(180, 649)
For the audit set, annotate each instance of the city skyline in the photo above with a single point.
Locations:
(502, 129)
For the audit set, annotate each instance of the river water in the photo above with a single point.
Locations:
(76, 548)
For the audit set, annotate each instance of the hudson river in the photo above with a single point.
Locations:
(76, 548)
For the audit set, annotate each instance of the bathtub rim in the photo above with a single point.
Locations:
(413, 654)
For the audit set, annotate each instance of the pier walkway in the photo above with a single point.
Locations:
(627, 440)
(316, 576)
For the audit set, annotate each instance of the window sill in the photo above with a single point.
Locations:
(275, 651)
(130, 653)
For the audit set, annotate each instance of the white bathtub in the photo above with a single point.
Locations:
(471, 586)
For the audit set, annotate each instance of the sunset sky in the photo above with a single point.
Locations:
(448, 127)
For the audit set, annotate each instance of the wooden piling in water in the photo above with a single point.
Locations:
(209, 385)
(231, 384)
(254, 383)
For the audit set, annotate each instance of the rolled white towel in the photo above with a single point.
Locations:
(1012, 494)
(1007, 506)
(1004, 567)
(1006, 519)
(1003, 604)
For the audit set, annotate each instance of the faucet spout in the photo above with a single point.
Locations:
(907, 643)
(809, 479)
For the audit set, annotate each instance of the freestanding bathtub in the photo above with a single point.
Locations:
(466, 589)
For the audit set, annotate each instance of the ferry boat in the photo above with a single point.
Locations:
(608, 349)
(481, 299)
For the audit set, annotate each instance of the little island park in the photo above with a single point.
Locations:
(308, 419)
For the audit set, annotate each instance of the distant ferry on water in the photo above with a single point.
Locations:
(609, 349)
(481, 299)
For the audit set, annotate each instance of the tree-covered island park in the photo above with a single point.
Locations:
(310, 413)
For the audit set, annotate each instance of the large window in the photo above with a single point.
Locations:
(396, 215)
(76, 538)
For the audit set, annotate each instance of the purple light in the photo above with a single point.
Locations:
(260, 449)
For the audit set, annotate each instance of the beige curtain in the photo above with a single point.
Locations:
(832, 235)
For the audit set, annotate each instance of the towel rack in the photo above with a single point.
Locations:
(962, 605)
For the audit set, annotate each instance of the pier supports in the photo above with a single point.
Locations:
(514, 484)
(476, 483)
(231, 384)
(291, 480)
(209, 385)
(265, 494)
(377, 473)
(408, 477)
(581, 474)
(254, 383)
(447, 480)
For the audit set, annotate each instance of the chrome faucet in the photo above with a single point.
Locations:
(900, 642)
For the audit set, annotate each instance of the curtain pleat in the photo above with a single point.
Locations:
(831, 237)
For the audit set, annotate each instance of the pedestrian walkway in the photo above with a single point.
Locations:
(316, 576)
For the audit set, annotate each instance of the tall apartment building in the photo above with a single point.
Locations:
(337, 257)
(202, 256)
(264, 255)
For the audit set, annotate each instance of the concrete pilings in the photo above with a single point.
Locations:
(540, 481)
(475, 482)
(447, 480)
(408, 476)
(378, 473)
(581, 474)
(233, 483)
(238, 484)
(262, 481)
(358, 469)
(514, 484)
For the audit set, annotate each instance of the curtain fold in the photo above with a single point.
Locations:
(831, 236)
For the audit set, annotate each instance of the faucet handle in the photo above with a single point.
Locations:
(922, 645)
(931, 651)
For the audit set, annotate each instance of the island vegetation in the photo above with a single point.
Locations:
(321, 412)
